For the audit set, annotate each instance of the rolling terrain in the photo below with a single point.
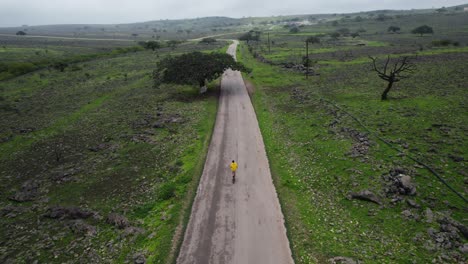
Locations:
(100, 166)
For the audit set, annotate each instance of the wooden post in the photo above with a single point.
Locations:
(269, 49)
(307, 59)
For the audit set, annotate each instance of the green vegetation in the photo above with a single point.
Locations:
(194, 68)
(425, 29)
(208, 40)
(12, 69)
(324, 138)
(152, 45)
(97, 140)
(99, 165)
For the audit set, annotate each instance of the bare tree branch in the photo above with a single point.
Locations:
(402, 64)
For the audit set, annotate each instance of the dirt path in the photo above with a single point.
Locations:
(242, 222)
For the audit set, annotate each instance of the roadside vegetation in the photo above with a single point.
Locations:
(349, 168)
(98, 165)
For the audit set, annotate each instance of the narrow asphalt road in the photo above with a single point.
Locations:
(241, 222)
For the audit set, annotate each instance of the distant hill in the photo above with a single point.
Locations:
(194, 27)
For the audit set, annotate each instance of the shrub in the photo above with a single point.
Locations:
(393, 29)
(294, 30)
(18, 68)
(208, 40)
(167, 191)
(424, 29)
(445, 42)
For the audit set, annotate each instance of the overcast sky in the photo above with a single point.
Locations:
(43, 12)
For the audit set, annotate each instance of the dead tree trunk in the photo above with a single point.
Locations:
(393, 73)
(385, 92)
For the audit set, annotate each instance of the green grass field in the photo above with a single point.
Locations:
(319, 154)
(99, 166)
(99, 137)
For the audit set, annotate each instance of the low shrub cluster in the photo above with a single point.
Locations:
(445, 43)
(13, 69)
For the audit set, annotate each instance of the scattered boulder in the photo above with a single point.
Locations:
(174, 120)
(464, 248)
(366, 195)
(59, 212)
(406, 184)
(61, 176)
(158, 125)
(413, 203)
(409, 215)
(399, 183)
(99, 147)
(456, 158)
(449, 221)
(449, 234)
(80, 227)
(429, 215)
(11, 211)
(117, 220)
(342, 260)
(362, 142)
(397, 171)
(131, 231)
(29, 191)
(139, 258)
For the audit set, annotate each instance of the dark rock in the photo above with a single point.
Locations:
(59, 212)
(409, 215)
(29, 191)
(397, 171)
(366, 195)
(131, 230)
(11, 211)
(174, 120)
(99, 147)
(80, 227)
(412, 203)
(158, 125)
(139, 258)
(429, 215)
(398, 183)
(449, 221)
(464, 249)
(26, 130)
(61, 176)
(407, 185)
(456, 158)
(140, 123)
(117, 220)
(342, 260)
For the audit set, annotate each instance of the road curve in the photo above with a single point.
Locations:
(241, 222)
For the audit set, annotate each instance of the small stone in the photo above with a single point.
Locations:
(366, 195)
(429, 215)
(412, 203)
(464, 248)
(342, 260)
(139, 258)
(117, 220)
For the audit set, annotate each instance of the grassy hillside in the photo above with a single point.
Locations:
(326, 140)
(97, 164)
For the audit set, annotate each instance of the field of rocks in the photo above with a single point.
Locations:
(363, 180)
(97, 164)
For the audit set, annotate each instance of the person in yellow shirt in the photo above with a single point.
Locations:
(233, 169)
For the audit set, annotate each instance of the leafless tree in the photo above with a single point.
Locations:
(393, 71)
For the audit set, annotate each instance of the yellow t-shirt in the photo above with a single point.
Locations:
(233, 166)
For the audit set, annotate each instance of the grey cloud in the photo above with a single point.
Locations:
(40, 12)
